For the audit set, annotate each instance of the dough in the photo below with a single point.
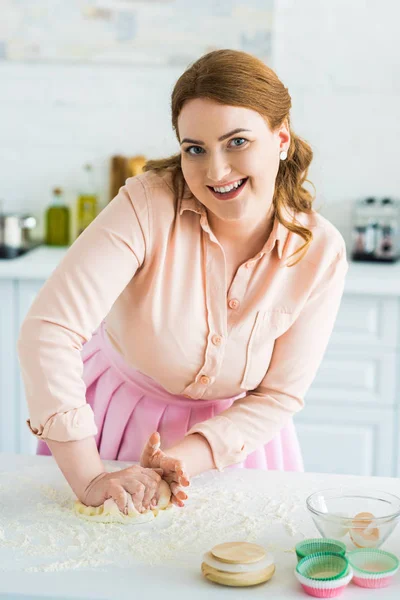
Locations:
(110, 513)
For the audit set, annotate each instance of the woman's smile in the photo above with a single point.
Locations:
(229, 195)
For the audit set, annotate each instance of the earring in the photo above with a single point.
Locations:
(283, 155)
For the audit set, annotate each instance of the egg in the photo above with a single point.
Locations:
(363, 531)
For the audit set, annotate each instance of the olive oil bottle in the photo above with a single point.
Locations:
(57, 221)
(87, 200)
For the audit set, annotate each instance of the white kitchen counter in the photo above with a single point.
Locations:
(363, 278)
(46, 550)
(35, 264)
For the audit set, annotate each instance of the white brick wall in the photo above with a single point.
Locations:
(339, 58)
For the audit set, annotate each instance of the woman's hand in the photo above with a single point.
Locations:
(141, 483)
(174, 472)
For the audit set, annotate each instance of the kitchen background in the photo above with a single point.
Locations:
(64, 105)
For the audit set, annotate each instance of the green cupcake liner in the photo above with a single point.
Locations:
(372, 562)
(323, 566)
(313, 545)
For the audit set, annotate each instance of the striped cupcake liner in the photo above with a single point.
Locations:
(314, 545)
(323, 566)
(325, 588)
(373, 568)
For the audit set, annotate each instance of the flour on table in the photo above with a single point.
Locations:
(38, 522)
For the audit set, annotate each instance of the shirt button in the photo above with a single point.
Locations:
(234, 304)
(216, 340)
(248, 265)
(204, 380)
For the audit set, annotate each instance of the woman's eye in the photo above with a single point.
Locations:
(188, 150)
(197, 150)
(239, 140)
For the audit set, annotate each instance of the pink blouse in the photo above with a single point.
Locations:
(151, 267)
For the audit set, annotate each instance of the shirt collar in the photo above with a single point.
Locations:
(277, 236)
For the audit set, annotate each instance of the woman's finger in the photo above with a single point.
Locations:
(150, 493)
(178, 492)
(119, 495)
(184, 480)
(150, 488)
(177, 502)
(176, 471)
(151, 448)
(155, 499)
(137, 490)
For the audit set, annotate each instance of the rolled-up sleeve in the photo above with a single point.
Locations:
(70, 306)
(254, 420)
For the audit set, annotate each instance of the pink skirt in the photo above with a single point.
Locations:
(129, 406)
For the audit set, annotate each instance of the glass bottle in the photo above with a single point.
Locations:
(87, 201)
(57, 221)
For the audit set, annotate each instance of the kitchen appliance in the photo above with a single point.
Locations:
(15, 234)
(376, 230)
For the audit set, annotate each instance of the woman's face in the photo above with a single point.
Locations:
(223, 145)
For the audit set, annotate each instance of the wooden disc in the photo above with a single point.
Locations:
(238, 552)
(213, 562)
(237, 579)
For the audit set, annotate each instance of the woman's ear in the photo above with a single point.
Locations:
(283, 133)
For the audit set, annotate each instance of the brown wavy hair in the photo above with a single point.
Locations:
(237, 78)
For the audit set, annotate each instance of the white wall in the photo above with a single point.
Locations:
(53, 119)
(340, 60)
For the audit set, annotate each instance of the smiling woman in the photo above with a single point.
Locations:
(195, 343)
(222, 90)
(213, 173)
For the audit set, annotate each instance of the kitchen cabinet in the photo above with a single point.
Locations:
(26, 290)
(351, 420)
(8, 367)
(16, 297)
(347, 441)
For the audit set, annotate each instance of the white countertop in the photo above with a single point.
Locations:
(364, 278)
(35, 264)
(45, 548)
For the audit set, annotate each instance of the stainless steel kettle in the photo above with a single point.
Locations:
(15, 233)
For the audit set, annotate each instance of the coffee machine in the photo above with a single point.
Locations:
(376, 230)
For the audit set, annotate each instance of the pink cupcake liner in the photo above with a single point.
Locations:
(324, 589)
(367, 582)
(318, 593)
(385, 565)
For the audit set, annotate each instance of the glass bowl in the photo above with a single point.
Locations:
(359, 518)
